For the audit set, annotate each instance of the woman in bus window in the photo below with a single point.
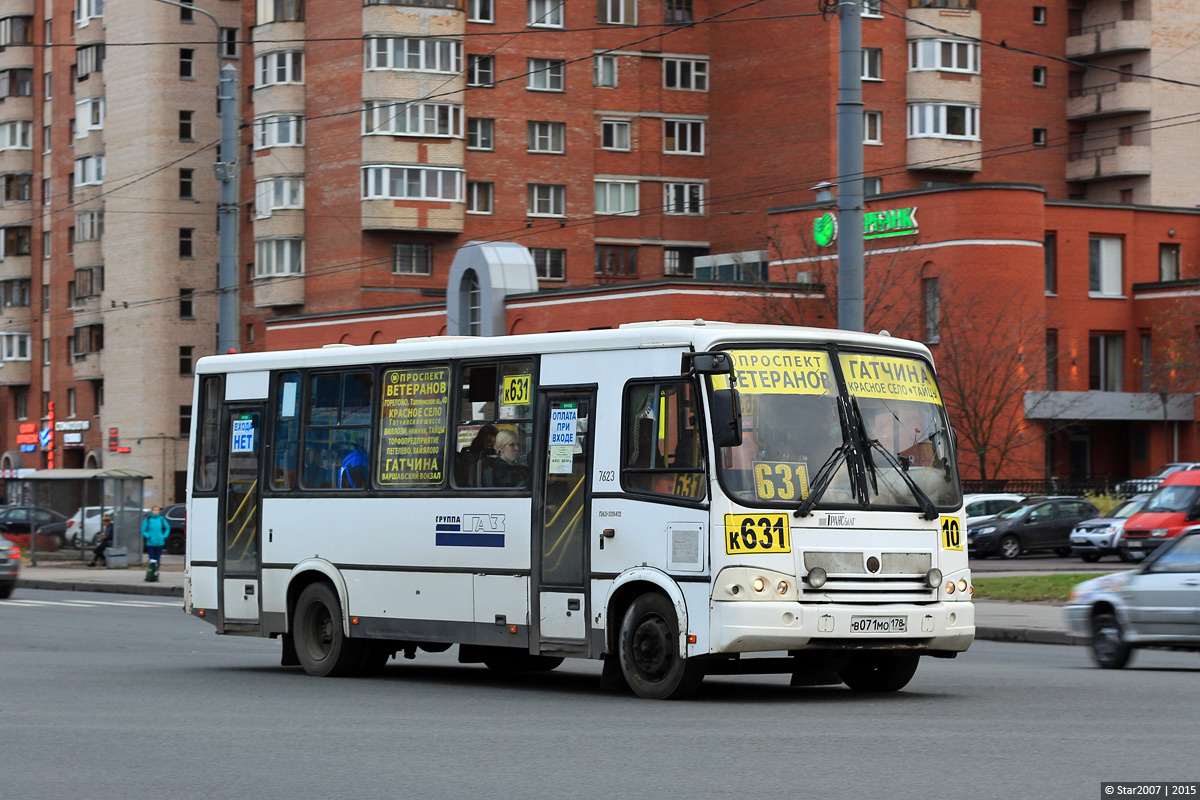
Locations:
(506, 471)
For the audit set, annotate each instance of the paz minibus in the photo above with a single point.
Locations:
(678, 499)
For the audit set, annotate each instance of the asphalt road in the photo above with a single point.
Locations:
(119, 696)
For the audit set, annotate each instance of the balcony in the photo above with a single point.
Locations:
(1109, 100)
(1123, 161)
(1109, 39)
(285, 290)
(88, 366)
(945, 155)
(15, 373)
(424, 216)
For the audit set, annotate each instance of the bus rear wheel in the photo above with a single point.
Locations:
(322, 646)
(880, 672)
(649, 651)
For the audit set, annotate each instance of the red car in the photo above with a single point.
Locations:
(1173, 506)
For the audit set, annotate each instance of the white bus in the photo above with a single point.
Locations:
(675, 498)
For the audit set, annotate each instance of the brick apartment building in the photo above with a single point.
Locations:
(618, 141)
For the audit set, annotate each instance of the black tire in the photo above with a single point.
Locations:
(6, 589)
(1090, 558)
(1062, 552)
(510, 659)
(1109, 649)
(1010, 546)
(880, 672)
(375, 656)
(322, 646)
(176, 544)
(1126, 555)
(649, 651)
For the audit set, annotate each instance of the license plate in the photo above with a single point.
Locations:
(1079, 540)
(879, 624)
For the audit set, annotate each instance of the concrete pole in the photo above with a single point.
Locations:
(850, 167)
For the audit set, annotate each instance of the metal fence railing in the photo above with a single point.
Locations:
(1047, 486)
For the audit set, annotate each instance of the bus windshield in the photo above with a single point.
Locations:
(875, 423)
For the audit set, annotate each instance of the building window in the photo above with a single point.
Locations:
(18, 187)
(423, 55)
(186, 360)
(616, 260)
(186, 131)
(872, 64)
(685, 137)
(16, 30)
(615, 134)
(187, 242)
(412, 183)
(479, 197)
(89, 116)
(1039, 137)
(187, 63)
(604, 71)
(1050, 255)
(276, 194)
(17, 83)
(678, 12)
(46, 242)
(412, 259)
(412, 119)
(546, 13)
(1168, 262)
(89, 226)
(14, 346)
(15, 293)
(872, 127)
(481, 71)
(481, 11)
(683, 198)
(942, 120)
(1104, 266)
(1039, 76)
(278, 257)
(551, 263)
(546, 137)
(17, 135)
(86, 10)
(22, 405)
(286, 66)
(1039, 15)
(279, 11)
(89, 171)
(279, 130)
(545, 75)
(16, 241)
(618, 12)
(89, 59)
(933, 309)
(1051, 360)
(945, 55)
(89, 282)
(1147, 372)
(681, 261)
(185, 421)
(229, 42)
(685, 74)
(1105, 359)
(186, 304)
(187, 15)
(480, 133)
(546, 200)
(872, 8)
(187, 184)
(872, 186)
(47, 85)
(616, 197)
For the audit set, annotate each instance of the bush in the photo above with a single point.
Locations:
(1104, 501)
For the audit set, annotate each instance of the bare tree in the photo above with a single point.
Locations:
(1171, 369)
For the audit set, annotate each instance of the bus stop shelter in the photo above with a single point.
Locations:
(115, 492)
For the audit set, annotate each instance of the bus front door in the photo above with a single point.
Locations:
(240, 551)
(563, 508)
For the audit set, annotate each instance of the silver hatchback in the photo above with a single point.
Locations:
(1155, 605)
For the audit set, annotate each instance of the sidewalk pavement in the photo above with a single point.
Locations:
(999, 621)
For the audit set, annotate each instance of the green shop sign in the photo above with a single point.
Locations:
(876, 225)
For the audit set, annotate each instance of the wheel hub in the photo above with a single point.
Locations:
(652, 648)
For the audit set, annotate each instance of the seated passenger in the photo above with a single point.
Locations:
(506, 471)
(471, 459)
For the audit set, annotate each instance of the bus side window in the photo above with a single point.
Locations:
(287, 431)
(662, 440)
(337, 433)
(495, 401)
(208, 447)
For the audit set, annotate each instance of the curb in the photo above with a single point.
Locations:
(111, 588)
(1028, 636)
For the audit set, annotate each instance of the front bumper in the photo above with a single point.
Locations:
(1145, 545)
(983, 546)
(1079, 619)
(752, 627)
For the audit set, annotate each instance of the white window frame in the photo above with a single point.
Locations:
(544, 263)
(617, 197)
(88, 59)
(604, 72)
(610, 135)
(89, 116)
(692, 141)
(89, 226)
(480, 197)
(545, 75)
(929, 55)
(1041, 75)
(1105, 266)
(410, 118)
(476, 70)
(278, 194)
(872, 127)
(547, 137)
(872, 63)
(15, 346)
(481, 133)
(931, 121)
(481, 11)
(88, 10)
(425, 251)
(89, 171)
(279, 130)
(690, 75)
(872, 9)
(268, 11)
(545, 13)
(16, 134)
(282, 256)
(414, 54)
(546, 200)
(415, 182)
(618, 12)
(683, 199)
(278, 68)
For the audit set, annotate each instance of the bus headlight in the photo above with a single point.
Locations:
(782, 587)
(816, 577)
(759, 584)
(746, 584)
(933, 578)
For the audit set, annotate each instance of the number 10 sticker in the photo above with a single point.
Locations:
(951, 533)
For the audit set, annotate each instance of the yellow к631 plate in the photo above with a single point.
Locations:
(756, 533)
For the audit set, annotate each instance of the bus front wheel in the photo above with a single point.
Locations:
(880, 672)
(649, 651)
(322, 646)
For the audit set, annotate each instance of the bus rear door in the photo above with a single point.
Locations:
(240, 550)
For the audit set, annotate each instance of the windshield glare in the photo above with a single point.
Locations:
(1171, 499)
(791, 428)
(1128, 509)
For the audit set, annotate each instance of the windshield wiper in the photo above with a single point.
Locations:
(928, 509)
(844, 452)
(823, 479)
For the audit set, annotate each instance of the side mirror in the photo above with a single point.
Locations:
(711, 363)
(726, 418)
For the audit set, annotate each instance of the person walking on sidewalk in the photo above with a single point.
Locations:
(155, 530)
(106, 540)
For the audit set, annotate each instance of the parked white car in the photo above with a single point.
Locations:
(1155, 479)
(979, 507)
(90, 527)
